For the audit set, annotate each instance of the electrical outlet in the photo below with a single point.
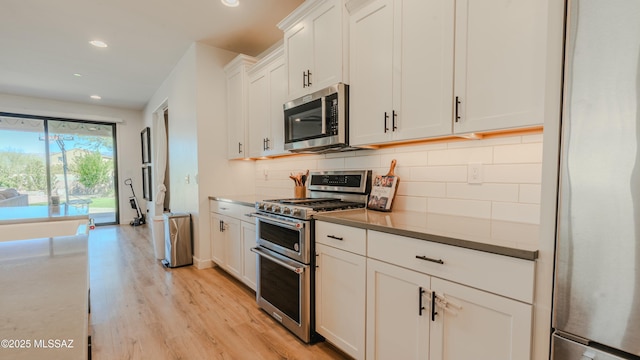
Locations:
(474, 173)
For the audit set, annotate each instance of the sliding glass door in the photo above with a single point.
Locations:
(59, 161)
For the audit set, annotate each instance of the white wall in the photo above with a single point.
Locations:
(128, 127)
(195, 93)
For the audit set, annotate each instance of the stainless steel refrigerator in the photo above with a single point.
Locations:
(597, 285)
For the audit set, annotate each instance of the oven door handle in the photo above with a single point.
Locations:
(294, 225)
(285, 263)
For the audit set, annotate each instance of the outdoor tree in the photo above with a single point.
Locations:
(92, 170)
(22, 171)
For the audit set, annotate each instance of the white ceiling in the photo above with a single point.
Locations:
(43, 43)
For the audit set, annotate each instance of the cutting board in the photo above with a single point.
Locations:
(383, 190)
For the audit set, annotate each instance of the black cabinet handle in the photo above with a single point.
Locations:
(264, 144)
(421, 292)
(304, 79)
(393, 121)
(334, 237)
(457, 108)
(308, 77)
(267, 142)
(421, 257)
(221, 226)
(433, 306)
(386, 117)
(239, 148)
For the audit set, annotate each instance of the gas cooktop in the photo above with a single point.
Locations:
(330, 191)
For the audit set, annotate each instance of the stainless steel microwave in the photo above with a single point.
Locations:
(318, 122)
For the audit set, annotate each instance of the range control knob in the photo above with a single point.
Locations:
(295, 212)
(275, 208)
(286, 210)
(260, 206)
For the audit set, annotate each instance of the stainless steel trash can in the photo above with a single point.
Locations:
(177, 240)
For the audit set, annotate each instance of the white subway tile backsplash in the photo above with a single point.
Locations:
(410, 203)
(471, 208)
(532, 138)
(517, 212)
(485, 142)
(331, 164)
(517, 154)
(461, 156)
(362, 162)
(433, 176)
(422, 189)
(440, 173)
(530, 193)
(405, 159)
(493, 192)
(515, 173)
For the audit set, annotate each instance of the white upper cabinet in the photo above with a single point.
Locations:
(315, 44)
(236, 73)
(267, 94)
(401, 70)
(500, 64)
(406, 83)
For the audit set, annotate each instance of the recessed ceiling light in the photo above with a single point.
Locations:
(77, 75)
(96, 97)
(231, 3)
(98, 43)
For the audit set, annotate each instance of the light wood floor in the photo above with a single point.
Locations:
(140, 310)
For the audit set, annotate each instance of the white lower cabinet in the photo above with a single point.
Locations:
(473, 318)
(478, 325)
(249, 266)
(231, 240)
(340, 299)
(397, 328)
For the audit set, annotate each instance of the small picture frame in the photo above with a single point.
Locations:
(145, 140)
(146, 183)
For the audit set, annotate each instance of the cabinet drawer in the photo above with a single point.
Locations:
(342, 237)
(232, 210)
(503, 275)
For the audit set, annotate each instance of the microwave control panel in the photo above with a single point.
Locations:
(332, 114)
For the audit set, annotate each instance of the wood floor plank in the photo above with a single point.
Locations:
(140, 310)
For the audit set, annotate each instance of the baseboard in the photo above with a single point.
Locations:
(202, 264)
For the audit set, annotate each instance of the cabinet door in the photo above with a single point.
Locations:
(326, 24)
(425, 108)
(395, 328)
(235, 114)
(371, 72)
(233, 246)
(258, 113)
(340, 297)
(277, 98)
(217, 239)
(479, 325)
(249, 274)
(500, 45)
(299, 54)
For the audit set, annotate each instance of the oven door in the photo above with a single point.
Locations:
(286, 236)
(284, 291)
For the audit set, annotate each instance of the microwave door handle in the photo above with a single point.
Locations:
(324, 115)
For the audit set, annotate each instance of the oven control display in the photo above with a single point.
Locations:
(337, 180)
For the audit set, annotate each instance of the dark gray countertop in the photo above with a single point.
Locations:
(498, 237)
(245, 200)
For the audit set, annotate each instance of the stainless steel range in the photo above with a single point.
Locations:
(285, 233)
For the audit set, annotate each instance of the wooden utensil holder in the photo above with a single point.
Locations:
(300, 192)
